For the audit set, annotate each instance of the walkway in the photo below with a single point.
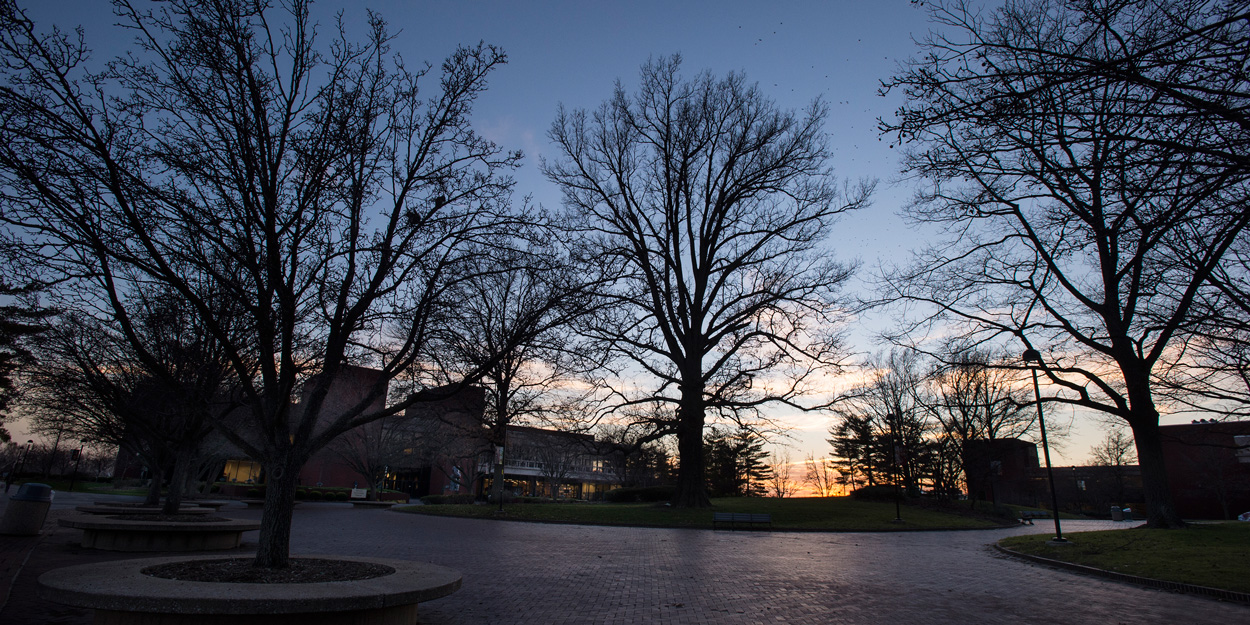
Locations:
(533, 573)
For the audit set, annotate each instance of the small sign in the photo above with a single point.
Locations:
(359, 493)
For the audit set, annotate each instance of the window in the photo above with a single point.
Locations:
(1243, 448)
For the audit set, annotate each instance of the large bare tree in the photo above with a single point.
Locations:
(329, 191)
(161, 406)
(513, 325)
(1071, 151)
(714, 209)
(974, 398)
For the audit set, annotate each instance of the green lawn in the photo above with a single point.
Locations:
(81, 486)
(1213, 555)
(829, 514)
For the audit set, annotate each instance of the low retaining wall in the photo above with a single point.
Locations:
(99, 532)
(119, 593)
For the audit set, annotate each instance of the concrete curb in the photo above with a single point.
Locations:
(1205, 591)
(797, 530)
(121, 586)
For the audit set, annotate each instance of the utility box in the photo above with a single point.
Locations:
(27, 510)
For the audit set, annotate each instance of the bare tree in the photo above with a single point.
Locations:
(513, 325)
(1210, 371)
(92, 386)
(974, 398)
(373, 448)
(888, 429)
(1067, 193)
(712, 209)
(329, 192)
(821, 475)
(558, 459)
(780, 482)
(1114, 450)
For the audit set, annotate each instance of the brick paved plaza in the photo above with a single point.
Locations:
(535, 573)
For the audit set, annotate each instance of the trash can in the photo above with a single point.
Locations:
(27, 510)
(1117, 514)
(1128, 514)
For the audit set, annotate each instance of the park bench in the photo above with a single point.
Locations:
(743, 518)
(1027, 516)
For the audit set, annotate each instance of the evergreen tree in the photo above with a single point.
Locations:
(737, 465)
(17, 324)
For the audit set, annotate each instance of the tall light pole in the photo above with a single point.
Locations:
(1032, 355)
(20, 465)
(896, 448)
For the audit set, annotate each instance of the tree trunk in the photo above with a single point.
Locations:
(177, 480)
(501, 450)
(154, 488)
(274, 548)
(1160, 511)
(691, 491)
(496, 486)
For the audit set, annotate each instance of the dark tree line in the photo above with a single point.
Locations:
(915, 422)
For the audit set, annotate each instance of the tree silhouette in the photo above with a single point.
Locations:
(712, 209)
(1087, 164)
(330, 193)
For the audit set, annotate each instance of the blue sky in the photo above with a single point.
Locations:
(572, 52)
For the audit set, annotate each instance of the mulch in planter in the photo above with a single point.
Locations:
(179, 518)
(240, 570)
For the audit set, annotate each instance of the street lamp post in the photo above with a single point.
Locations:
(1032, 355)
(20, 465)
(894, 444)
(73, 477)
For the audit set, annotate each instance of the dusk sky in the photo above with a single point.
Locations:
(571, 53)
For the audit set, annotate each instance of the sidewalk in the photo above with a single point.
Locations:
(573, 574)
(14, 551)
(24, 558)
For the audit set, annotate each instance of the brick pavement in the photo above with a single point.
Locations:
(534, 573)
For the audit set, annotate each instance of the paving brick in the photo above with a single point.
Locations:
(536, 573)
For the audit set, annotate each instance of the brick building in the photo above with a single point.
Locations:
(1208, 468)
(439, 446)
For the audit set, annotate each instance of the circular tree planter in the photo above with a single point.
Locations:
(109, 534)
(258, 503)
(120, 593)
(106, 509)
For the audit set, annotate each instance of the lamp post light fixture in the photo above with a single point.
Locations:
(1030, 356)
(22, 464)
(894, 443)
(14, 470)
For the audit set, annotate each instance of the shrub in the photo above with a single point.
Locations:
(877, 492)
(315, 495)
(341, 496)
(648, 494)
(252, 492)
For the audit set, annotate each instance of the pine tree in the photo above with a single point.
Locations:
(17, 324)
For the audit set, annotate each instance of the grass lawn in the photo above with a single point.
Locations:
(810, 513)
(1213, 555)
(81, 486)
